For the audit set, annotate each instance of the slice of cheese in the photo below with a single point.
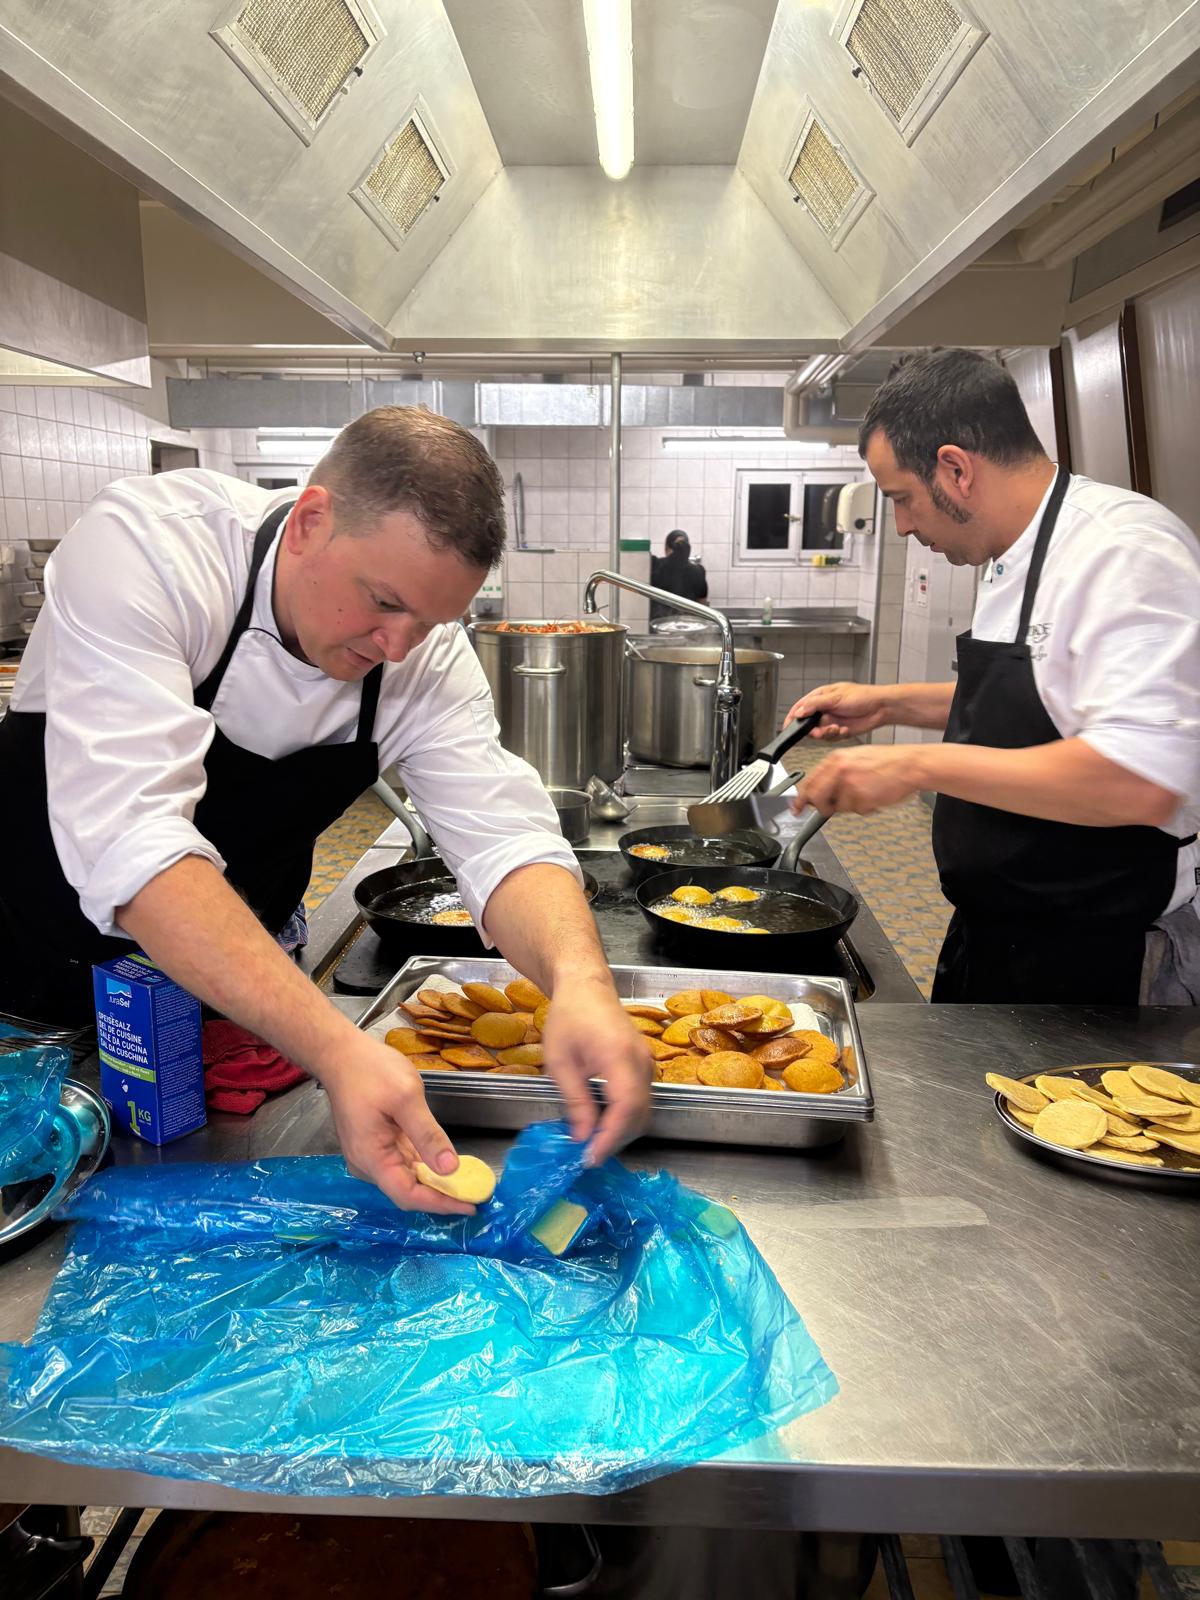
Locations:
(559, 1227)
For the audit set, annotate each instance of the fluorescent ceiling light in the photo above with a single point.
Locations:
(751, 444)
(609, 28)
(298, 433)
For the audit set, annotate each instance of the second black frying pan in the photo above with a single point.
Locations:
(400, 903)
(685, 848)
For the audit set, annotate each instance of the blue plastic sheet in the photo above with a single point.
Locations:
(30, 1086)
(281, 1326)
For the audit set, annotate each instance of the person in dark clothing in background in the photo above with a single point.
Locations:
(678, 573)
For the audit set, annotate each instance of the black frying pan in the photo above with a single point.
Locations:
(397, 903)
(747, 847)
(808, 919)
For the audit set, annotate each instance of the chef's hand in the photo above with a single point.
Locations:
(850, 708)
(861, 780)
(385, 1127)
(588, 1035)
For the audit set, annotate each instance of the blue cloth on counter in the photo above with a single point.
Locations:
(30, 1088)
(280, 1326)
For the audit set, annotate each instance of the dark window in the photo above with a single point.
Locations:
(1179, 206)
(768, 506)
(820, 517)
(277, 483)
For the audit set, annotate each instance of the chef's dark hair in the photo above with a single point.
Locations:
(957, 397)
(407, 458)
(678, 544)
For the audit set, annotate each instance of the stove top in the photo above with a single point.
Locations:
(628, 939)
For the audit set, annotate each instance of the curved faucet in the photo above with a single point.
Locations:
(727, 694)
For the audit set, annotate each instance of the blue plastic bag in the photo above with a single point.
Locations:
(281, 1326)
(30, 1087)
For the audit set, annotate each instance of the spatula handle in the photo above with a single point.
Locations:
(792, 734)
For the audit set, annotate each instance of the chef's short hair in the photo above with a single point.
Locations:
(959, 397)
(407, 458)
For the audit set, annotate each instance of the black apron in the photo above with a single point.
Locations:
(262, 815)
(1046, 913)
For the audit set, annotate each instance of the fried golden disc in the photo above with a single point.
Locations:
(434, 1064)
(706, 1040)
(664, 1052)
(681, 1029)
(1189, 1122)
(524, 995)
(1085, 1091)
(452, 917)
(1074, 1124)
(812, 1077)
(685, 1002)
(1150, 1106)
(770, 1026)
(499, 1031)
(649, 852)
(684, 914)
(655, 1013)
(723, 925)
(1021, 1094)
(517, 1069)
(767, 1005)
(522, 1055)
(487, 996)
(1157, 1080)
(1178, 1141)
(683, 1069)
(733, 1016)
(433, 1030)
(1132, 1158)
(1121, 1125)
(1025, 1118)
(730, 1069)
(540, 1015)
(820, 1046)
(647, 1025)
(459, 1006)
(472, 1180)
(778, 1052)
(1132, 1141)
(738, 894)
(710, 999)
(691, 894)
(1054, 1088)
(469, 1057)
(432, 998)
(408, 1041)
(1118, 1082)
(418, 1013)
(771, 1082)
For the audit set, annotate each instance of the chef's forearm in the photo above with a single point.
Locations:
(541, 924)
(918, 705)
(1067, 781)
(191, 923)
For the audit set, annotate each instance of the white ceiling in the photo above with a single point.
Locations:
(696, 64)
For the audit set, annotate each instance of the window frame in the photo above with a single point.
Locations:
(799, 478)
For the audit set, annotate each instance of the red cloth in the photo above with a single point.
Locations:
(240, 1069)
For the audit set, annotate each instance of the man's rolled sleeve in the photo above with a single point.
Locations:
(127, 867)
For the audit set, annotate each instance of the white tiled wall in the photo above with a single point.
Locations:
(564, 472)
(58, 448)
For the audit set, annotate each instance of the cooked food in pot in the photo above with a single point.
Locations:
(775, 910)
(553, 627)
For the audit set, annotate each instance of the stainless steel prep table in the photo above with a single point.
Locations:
(1018, 1348)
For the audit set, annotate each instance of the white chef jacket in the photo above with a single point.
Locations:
(1115, 639)
(140, 600)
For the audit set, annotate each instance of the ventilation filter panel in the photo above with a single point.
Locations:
(406, 176)
(825, 183)
(300, 53)
(910, 53)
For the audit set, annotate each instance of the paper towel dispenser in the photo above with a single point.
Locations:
(856, 508)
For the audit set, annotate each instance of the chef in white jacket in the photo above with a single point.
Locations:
(217, 673)
(1068, 778)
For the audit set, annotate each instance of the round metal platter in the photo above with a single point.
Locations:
(78, 1145)
(1173, 1175)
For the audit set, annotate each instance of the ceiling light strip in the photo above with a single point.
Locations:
(609, 28)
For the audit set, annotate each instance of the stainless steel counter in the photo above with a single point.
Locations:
(1018, 1347)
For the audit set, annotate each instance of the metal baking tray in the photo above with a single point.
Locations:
(1173, 1175)
(684, 1111)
